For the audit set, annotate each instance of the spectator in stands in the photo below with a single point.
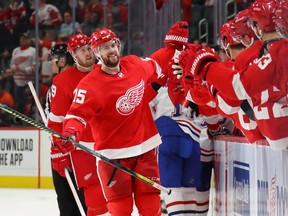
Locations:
(160, 3)
(118, 11)
(13, 21)
(186, 11)
(49, 16)
(95, 6)
(5, 59)
(86, 25)
(62, 5)
(68, 28)
(243, 4)
(6, 99)
(23, 69)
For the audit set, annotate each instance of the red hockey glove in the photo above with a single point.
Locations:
(59, 161)
(175, 87)
(197, 64)
(194, 47)
(65, 143)
(177, 69)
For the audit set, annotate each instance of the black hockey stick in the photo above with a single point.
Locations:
(90, 151)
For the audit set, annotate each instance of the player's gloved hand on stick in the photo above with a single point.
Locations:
(197, 63)
(65, 143)
(219, 131)
(59, 161)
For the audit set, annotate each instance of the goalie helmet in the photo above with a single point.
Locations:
(262, 12)
(281, 18)
(101, 36)
(58, 51)
(76, 41)
(178, 33)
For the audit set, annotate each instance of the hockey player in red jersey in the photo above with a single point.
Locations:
(60, 60)
(281, 18)
(265, 81)
(81, 163)
(231, 40)
(112, 99)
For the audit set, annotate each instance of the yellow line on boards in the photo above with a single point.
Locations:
(25, 182)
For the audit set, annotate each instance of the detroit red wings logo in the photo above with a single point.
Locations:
(126, 104)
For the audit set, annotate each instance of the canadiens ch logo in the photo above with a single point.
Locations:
(126, 104)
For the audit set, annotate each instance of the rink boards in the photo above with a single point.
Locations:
(249, 179)
(24, 158)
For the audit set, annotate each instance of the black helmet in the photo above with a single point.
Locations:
(60, 50)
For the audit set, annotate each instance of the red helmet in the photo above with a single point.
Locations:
(101, 36)
(241, 25)
(281, 17)
(76, 41)
(227, 35)
(262, 12)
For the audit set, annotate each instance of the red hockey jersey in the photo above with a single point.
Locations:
(265, 83)
(117, 109)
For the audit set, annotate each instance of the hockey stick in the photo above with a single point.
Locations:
(90, 151)
(69, 180)
(38, 104)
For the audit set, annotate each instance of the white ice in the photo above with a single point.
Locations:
(29, 202)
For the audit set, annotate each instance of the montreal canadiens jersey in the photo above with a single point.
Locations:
(117, 109)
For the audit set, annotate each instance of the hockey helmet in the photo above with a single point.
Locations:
(227, 35)
(262, 12)
(241, 25)
(76, 41)
(281, 18)
(58, 51)
(101, 36)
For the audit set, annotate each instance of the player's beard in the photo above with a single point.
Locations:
(86, 63)
(111, 63)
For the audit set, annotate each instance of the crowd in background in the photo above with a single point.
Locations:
(56, 25)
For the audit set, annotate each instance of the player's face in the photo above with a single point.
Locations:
(85, 56)
(110, 53)
(56, 63)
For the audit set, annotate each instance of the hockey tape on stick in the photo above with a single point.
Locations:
(90, 151)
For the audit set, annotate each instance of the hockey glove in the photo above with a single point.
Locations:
(177, 68)
(220, 131)
(175, 87)
(197, 63)
(65, 143)
(59, 161)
